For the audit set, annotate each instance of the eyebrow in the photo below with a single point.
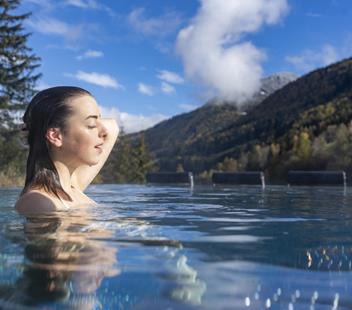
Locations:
(92, 116)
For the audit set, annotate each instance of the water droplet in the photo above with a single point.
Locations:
(298, 294)
(256, 296)
(290, 306)
(268, 303)
(336, 301)
(247, 302)
(279, 291)
(315, 295)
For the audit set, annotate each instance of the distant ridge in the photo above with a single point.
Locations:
(204, 137)
(186, 128)
(269, 85)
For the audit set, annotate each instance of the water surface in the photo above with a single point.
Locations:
(147, 247)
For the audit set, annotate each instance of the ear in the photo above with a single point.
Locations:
(54, 136)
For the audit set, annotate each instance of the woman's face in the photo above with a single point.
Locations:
(84, 135)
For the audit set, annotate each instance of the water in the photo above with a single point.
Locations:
(173, 248)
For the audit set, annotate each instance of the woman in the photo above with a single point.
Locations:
(68, 144)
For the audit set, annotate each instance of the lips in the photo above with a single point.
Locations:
(99, 147)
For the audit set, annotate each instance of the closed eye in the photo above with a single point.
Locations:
(91, 127)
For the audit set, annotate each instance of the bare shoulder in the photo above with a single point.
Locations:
(35, 202)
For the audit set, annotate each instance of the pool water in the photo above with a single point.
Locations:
(148, 247)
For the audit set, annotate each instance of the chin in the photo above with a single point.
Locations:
(91, 162)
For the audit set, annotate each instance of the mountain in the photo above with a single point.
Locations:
(173, 136)
(269, 85)
(287, 122)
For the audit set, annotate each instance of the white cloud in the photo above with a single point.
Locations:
(52, 26)
(84, 4)
(90, 4)
(167, 88)
(170, 77)
(187, 107)
(312, 59)
(145, 89)
(46, 5)
(155, 26)
(132, 122)
(49, 5)
(213, 49)
(90, 54)
(99, 79)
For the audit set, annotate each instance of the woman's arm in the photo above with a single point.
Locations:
(84, 175)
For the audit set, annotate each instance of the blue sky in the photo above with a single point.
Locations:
(148, 60)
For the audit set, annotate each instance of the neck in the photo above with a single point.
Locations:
(65, 174)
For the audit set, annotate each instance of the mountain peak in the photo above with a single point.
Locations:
(269, 85)
(276, 81)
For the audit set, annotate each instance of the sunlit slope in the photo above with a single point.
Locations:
(204, 137)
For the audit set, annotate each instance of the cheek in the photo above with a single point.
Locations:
(81, 141)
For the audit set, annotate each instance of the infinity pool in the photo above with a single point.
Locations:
(149, 247)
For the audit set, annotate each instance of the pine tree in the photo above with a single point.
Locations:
(118, 167)
(124, 164)
(17, 62)
(142, 161)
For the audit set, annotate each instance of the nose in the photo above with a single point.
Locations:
(103, 132)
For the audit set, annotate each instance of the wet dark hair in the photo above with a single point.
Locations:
(48, 109)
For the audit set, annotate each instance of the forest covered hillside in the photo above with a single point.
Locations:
(304, 125)
(176, 134)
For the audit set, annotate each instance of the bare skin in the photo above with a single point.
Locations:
(78, 155)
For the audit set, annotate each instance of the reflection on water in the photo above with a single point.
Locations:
(333, 258)
(190, 288)
(172, 248)
(67, 256)
(61, 264)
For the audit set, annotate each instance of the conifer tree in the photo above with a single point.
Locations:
(17, 61)
(118, 167)
(124, 163)
(142, 161)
